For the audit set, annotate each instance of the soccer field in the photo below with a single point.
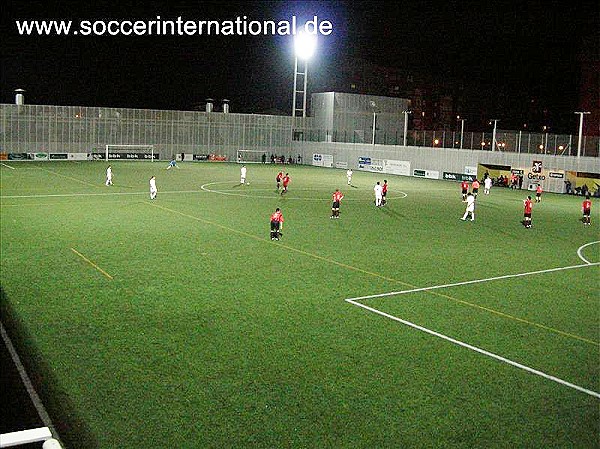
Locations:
(178, 323)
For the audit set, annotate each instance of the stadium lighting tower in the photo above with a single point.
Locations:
(581, 114)
(374, 108)
(462, 130)
(405, 125)
(495, 120)
(304, 47)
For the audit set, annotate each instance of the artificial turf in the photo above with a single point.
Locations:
(179, 323)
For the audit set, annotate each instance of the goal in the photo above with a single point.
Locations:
(251, 157)
(130, 152)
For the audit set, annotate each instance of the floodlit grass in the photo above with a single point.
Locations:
(178, 323)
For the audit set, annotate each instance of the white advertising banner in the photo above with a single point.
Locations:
(77, 156)
(396, 167)
(368, 164)
(470, 170)
(322, 160)
(384, 166)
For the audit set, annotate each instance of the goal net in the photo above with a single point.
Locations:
(251, 157)
(128, 152)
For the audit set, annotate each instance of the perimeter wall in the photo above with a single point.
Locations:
(446, 163)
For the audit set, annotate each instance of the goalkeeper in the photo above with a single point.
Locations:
(172, 164)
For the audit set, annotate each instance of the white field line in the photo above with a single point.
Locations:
(37, 402)
(6, 165)
(231, 192)
(579, 252)
(69, 195)
(478, 350)
(475, 281)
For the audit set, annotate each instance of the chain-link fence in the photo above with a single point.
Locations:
(509, 141)
(34, 128)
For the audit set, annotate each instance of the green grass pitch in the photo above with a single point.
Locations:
(178, 323)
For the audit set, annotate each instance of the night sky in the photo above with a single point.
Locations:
(503, 53)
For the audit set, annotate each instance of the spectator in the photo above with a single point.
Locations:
(568, 187)
(584, 190)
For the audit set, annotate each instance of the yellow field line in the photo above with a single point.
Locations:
(92, 264)
(299, 251)
(521, 320)
(68, 177)
(370, 273)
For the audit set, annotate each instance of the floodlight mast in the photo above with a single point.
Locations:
(579, 138)
(495, 120)
(374, 107)
(304, 48)
(462, 130)
(406, 112)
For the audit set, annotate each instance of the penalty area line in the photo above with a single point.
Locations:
(478, 350)
(474, 281)
(432, 291)
(6, 165)
(108, 276)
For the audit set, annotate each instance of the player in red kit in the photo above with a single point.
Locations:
(285, 181)
(527, 212)
(276, 224)
(384, 188)
(278, 179)
(335, 207)
(475, 188)
(464, 187)
(538, 194)
(586, 207)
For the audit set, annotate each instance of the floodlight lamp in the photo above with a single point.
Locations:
(305, 45)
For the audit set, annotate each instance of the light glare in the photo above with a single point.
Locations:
(305, 45)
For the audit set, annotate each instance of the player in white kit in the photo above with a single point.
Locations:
(243, 175)
(470, 207)
(153, 190)
(109, 176)
(378, 189)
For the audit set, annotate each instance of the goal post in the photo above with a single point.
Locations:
(251, 157)
(130, 152)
